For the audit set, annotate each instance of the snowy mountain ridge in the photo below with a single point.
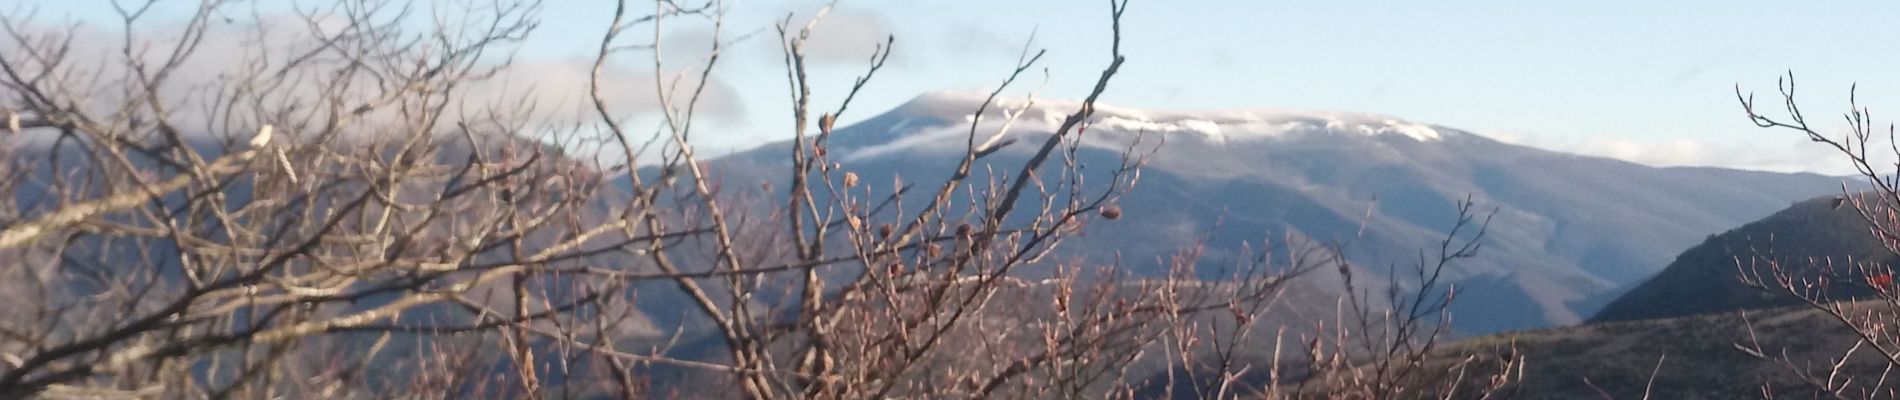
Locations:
(1570, 231)
(1217, 125)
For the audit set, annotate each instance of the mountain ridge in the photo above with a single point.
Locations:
(1571, 231)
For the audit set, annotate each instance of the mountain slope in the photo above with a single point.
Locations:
(1700, 356)
(1569, 230)
(1704, 278)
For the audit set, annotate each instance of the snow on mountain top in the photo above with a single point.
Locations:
(1114, 127)
(1218, 125)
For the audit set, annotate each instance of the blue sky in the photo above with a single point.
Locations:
(1646, 81)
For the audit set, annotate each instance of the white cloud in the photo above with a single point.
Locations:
(846, 36)
(557, 89)
(1793, 154)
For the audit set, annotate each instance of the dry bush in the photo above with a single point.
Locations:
(324, 212)
(1857, 295)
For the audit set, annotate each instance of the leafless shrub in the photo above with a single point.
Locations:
(1382, 345)
(1863, 369)
(329, 216)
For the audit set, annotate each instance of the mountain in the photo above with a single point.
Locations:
(1569, 231)
(1704, 278)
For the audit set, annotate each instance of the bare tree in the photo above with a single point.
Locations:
(218, 237)
(323, 210)
(1836, 286)
(1387, 337)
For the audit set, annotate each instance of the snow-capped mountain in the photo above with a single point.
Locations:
(942, 121)
(1569, 233)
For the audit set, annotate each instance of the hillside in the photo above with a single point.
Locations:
(1570, 231)
(1704, 279)
(1700, 356)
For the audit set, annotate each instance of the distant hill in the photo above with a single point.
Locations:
(1570, 232)
(1704, 279)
